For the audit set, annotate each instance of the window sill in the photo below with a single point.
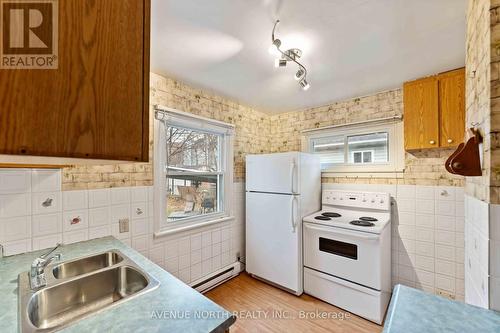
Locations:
(175, 230)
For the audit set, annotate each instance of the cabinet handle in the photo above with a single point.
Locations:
(432, 142)
(450, 140)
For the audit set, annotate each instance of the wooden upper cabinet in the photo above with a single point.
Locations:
(452, 107)
(434, 111)
(96, 103)
(421, 114)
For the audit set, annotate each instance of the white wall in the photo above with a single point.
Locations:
(26, 225)
(427, 235)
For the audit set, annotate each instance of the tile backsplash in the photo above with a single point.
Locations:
(35, 214)
(427, 228)
(482, 249)
(427, 235)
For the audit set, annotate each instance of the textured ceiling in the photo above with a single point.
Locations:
(351, 47)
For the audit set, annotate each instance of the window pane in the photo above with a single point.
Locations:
(357, 157)
(189, 150)
(195, 195)
(368, 148)
(367, 157)
(331, 150)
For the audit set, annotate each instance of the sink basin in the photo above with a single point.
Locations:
(51, 307)
(81, 288)
(86, 265)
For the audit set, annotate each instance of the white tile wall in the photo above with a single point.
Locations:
(482, 248)
(427, 237)
(15, 181)
(26, 223)
(195, 254)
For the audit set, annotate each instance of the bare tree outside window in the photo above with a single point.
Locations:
(193, 173)
(189, 149)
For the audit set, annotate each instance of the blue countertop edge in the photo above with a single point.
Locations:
(183, 308)
(415, 311)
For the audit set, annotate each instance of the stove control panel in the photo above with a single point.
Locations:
(368, 200)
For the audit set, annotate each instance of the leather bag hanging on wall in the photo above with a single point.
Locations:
(466, 160)
(447, 164)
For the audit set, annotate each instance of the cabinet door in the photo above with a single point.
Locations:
(452, 107)
(421, 114)
(95, 104)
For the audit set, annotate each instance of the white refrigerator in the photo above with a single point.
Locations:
(280, 190)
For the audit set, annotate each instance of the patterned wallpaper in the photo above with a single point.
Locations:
(424, 167)
(252, 136)
(258, 132)
(483, 93)
(478, 88)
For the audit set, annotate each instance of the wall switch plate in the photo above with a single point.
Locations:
(445, 294)
(124, 225)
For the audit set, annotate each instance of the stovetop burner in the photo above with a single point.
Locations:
(323, 218)
(361, 223)
(368, 218)
(331, 214)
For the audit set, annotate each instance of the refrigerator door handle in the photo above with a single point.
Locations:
(292, 176)
(294, 214)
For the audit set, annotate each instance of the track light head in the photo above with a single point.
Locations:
(300, 74)
(274, 48)
(304, 84)
(280, 63)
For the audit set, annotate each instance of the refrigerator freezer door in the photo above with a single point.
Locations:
(273, 173)
(273, 239)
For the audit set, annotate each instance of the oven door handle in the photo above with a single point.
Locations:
(334, 230)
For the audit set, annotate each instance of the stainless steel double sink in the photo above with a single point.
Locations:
(79, 288)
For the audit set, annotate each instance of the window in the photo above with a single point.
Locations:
(362, 156)
(193, 170)
(371, 147)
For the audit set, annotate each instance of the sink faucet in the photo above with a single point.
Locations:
(37, 273)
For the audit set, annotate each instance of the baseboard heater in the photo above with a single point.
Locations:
(218, 277)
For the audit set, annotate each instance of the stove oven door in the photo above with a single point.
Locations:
(351, 255)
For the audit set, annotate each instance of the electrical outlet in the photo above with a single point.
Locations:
(124, 225)
(445, 294)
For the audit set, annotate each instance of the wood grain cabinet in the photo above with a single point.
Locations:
(96, 103)
(434, 111)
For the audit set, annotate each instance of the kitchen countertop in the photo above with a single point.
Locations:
(412, 310)
(149, 312)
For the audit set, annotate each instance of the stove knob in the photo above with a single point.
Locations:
(381, 201)
(373, 200)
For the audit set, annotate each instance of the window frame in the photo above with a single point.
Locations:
(178, 118)
(394, 168)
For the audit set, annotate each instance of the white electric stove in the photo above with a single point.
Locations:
(347, 252)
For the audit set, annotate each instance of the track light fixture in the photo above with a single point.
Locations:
(291, 55)
(274, 48)
(280, 63)
(304, 84)
(300, 74)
